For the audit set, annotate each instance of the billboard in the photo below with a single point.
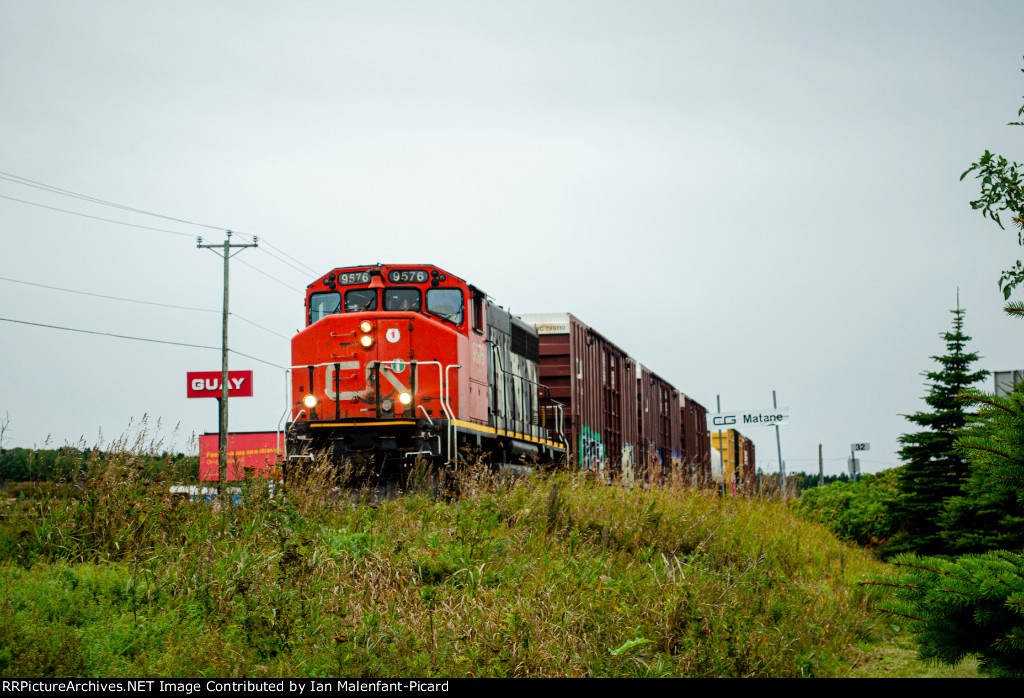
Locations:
(257, 451)
(207, 383)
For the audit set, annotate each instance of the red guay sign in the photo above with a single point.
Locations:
(256, 450)
(207, 384)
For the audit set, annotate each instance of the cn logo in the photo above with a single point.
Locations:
(724, 421)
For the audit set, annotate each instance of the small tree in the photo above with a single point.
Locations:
(968, 606)
(987, 514)
(974, 604)
(934, 469)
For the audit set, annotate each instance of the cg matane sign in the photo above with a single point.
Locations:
(751, 418)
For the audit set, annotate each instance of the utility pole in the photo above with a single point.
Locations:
(821, 468)
(721, 444)
(222, 458)
(778, 444)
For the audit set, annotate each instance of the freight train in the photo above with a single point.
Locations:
(400, 362)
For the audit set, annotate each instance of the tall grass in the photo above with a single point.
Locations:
(470, 574)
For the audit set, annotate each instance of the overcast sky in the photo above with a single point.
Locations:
(746, 196)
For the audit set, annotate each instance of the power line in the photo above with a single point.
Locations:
(86, 215)
(291, 288)
(249, 356)
(24, 181)
(113, 298)
(254, 324)
(310, 269)
(284, 261)
(84, 197)
(138, 339)
(135, 300)
(163, 230)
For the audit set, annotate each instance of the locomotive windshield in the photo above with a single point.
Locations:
(323, 304)
(401, 299)
(446, 303)
(358, 300)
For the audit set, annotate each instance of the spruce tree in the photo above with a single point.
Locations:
(987, 514)
(974, 604)
(934, 469)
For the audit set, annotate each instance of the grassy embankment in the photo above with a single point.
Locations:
(545, 576)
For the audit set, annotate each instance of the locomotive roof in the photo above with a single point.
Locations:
(403, 265)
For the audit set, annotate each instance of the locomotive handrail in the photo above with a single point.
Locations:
(431, 422)
(444, 377)
(559, 421)
(282, 443)
(499, 365)
(284, 467)
(446, 405)
(377, 364)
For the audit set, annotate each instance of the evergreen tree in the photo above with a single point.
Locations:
(987, 514)
(968, 606)
(934, 469)
(974, 604)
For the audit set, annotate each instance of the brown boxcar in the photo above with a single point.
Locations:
(595, 382)
(620, 418)
(696, 441)
(749, 470)
(660, 437)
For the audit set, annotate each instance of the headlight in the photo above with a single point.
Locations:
(366, 340)
(404, 398)
(309, 401)
(365, 326)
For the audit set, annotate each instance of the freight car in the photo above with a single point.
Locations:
(737, 455)
(619, 415)
(696, 441)
(399, 362)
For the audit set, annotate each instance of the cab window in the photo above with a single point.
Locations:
(323, 304)
(477, 311)
(401, 299)
(359, 299)
(446, 303)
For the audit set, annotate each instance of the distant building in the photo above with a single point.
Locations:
(1005, 380)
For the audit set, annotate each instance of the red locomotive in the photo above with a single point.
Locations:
(407, 361)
